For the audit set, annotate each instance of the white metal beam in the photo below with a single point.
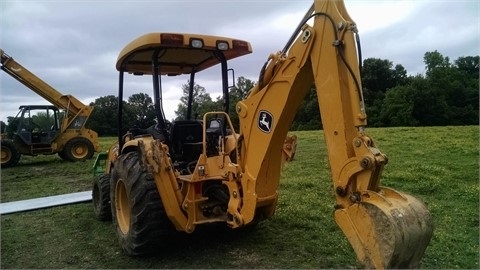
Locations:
(45, 202)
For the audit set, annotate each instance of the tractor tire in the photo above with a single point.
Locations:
(101, 197)
(9, 155)
(138, 214)
(78, 149)
(62, 155)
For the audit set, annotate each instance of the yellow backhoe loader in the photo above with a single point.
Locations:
(190, 174)
(45, 129)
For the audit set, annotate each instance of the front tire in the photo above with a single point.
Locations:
(137, 211)
(78, 149)
(9, 154)
(101, 197)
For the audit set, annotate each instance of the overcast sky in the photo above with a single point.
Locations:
(73, 45)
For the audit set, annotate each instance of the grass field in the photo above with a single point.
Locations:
(439, 165)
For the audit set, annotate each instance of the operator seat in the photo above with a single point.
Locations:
(186, 138)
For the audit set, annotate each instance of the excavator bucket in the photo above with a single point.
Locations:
(387, 229)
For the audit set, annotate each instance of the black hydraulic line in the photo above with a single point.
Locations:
(359, 51)
(290, 41)
(306, 17)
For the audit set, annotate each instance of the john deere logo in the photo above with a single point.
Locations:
(265, 121)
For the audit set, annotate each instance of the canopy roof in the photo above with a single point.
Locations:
(178, 53)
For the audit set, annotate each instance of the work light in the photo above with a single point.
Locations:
(222, 45)
(196, 43)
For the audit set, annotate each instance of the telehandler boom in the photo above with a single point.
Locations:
(41, 129)
(234, 177)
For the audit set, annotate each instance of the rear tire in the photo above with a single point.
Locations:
(78, 149)
(9, 155)
(101, 197)
(137, 211)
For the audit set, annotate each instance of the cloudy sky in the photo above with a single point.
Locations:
(73, 45)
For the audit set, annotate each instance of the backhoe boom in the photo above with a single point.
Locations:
(325, 54)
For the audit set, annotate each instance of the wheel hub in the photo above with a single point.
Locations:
(6, 155)
(79, 151)
(122, 207)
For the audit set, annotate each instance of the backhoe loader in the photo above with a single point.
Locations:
(190, 174)
(45, 129)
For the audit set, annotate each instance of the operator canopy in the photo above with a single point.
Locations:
(178, 53)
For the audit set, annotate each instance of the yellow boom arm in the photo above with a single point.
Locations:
(385, 227)
(74, 108)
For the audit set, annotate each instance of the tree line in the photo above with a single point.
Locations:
(447, 94)
(139, 108)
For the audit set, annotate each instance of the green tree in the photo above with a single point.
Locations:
(308, 115)
(430, 108)
(397, 107)
(12, 125)
(104, 115)
(378, 75)
(434, 60)
(237, 93)
(44, 120)
(469, 66)
(137, 112)
(105, 110)
(415, 104)
(202, 102)
(142, 109)
(464, 100)
(446, 95)
(455, 86)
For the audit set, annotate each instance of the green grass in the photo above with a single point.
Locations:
(47, 175)
(437, 164)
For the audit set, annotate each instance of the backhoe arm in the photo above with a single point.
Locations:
(386, 228)
(74, 107)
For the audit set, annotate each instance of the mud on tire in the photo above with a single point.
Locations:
(138, 215)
